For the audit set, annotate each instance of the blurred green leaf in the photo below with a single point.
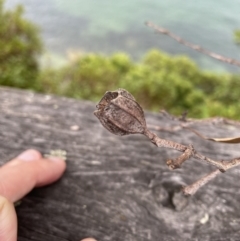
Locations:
(20, 47)
(158, 81)
(237, 36)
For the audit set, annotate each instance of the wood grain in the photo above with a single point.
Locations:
(116, 188)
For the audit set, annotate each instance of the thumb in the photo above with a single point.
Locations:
(8, 220)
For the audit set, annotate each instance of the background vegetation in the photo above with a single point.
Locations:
(20, 46)
(237, 36)
(157, 81)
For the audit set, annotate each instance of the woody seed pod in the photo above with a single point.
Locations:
(120, 113)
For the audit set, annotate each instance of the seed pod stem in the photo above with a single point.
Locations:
(120, 114)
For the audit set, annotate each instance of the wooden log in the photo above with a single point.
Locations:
(116, 188)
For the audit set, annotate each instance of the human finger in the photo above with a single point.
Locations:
(28, 170)
(8, 220)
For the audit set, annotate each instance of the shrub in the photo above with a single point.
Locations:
(158, 81)
(20, 46)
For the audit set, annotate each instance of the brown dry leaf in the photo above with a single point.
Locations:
(229, 140)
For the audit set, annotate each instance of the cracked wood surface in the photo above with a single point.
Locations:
(117, 188)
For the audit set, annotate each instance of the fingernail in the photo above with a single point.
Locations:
(29, 155)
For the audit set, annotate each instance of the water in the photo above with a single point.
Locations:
(109, 26)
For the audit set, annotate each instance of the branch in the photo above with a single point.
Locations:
(191, 152)
(120, 114)
(193, 46)
(192, 189)
(188, 152)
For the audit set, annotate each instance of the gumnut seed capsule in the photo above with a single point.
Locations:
(120, 114)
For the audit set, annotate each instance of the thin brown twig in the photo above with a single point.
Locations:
(192, 189)
(177, 162)
(122, 115)
(193, 46)
(191, 152)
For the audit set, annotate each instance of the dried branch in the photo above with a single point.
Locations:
(193, 46)
(189, 152)
(119, 113)
(176, 163)
(192, 189)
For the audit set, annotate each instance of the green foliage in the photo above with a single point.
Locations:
(87, 78)
(20, 46)
(161, 82)
(237, 36)
(158, 81)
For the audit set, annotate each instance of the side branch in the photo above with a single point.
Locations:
(189, 152)
(119, 113)
(193, 188)
(193, 46)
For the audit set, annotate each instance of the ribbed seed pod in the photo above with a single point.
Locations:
(120, 113)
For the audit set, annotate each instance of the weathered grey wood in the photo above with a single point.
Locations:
(116, 188)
